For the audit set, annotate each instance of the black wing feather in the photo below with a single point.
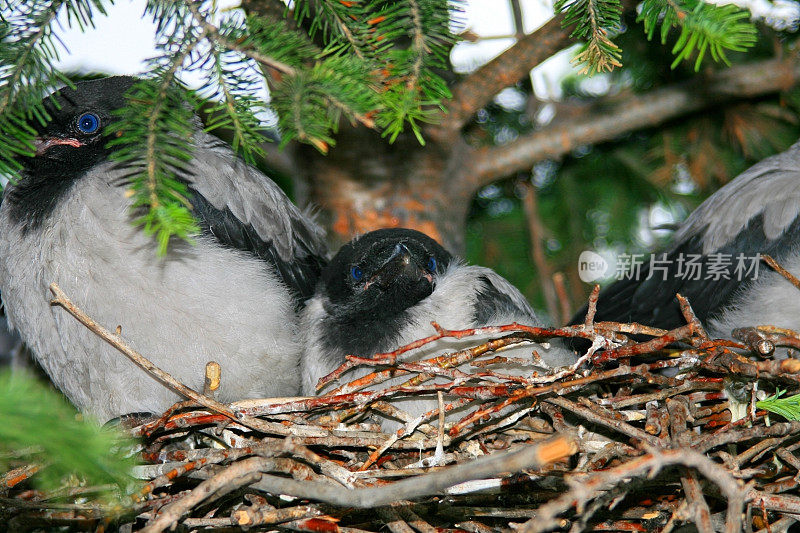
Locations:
(300, 274)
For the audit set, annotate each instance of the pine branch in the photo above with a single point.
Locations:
(418, 45)
(303, 101)
(268, 43)
(705, 28)
(41, 427)
(282, 58)
(593, 21)
(788, 407)
(341, 24)
(238, 108)
(399, 44)
(161, 112)
(234, 88)
(411, 85)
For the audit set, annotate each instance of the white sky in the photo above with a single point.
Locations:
(117, 45)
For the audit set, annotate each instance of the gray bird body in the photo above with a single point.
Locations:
(463, 297)
(756, 213)
(199, 303)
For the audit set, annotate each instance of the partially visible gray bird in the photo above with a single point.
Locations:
(230, 298)
(756, 213)
(383, 289)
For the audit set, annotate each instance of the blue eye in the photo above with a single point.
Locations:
(88, 123)
(432, 264)
(357, 273)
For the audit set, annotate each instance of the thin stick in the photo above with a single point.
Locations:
(780, 270)
(592, 307)
(119, 343)
(536, 234)
(238, 475)
(529, 456)
(559, 282)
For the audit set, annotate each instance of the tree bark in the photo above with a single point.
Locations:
(364, 183)
(477, 89)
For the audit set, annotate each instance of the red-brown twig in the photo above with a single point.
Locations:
(780, 270)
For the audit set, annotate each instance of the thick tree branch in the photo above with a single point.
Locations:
(474, 91)
(607, 122)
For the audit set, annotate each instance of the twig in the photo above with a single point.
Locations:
(592, 307)
(780, 270)
(697, 502)
(536, 236)
(647, 465)
(606, 420)
(119, 343)
(564, 307)
(691, 318)
(237, 475)
(530, 456)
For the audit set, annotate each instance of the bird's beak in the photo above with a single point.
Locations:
(43, 144)
(400, 263)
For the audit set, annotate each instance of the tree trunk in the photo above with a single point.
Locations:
(365, 183)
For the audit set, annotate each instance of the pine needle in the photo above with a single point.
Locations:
(39, 426)
(788, 408)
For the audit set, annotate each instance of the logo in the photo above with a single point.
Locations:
(639, 267)
(591, 266)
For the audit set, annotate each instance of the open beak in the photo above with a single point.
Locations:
(43, 144)
(400, 263)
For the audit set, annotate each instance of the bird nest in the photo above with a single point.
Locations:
(639, 435)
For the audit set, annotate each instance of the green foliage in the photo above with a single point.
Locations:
(371, 62)
(151, 140)
(788, 408)
(705, 28)
(343, 24)
(310, 103)
(270, 38)
(40, 427)
(412, 84)
(233, 93)
(593, 20)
